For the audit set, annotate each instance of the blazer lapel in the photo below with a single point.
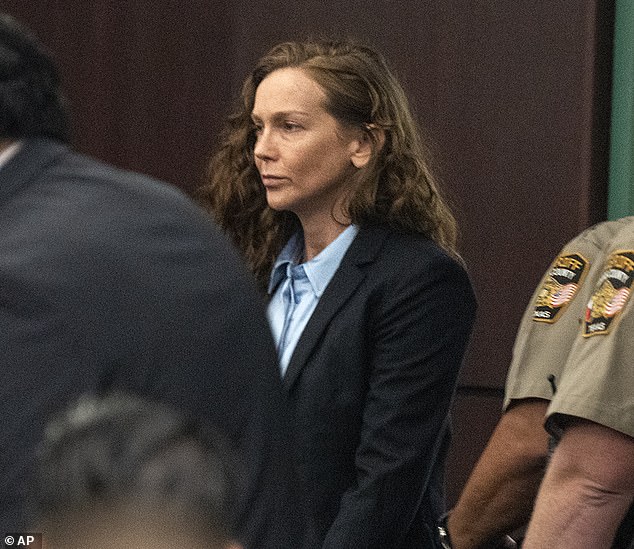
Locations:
(347, 278)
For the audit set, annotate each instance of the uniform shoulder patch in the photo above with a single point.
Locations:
(559, 287)
(611, 293)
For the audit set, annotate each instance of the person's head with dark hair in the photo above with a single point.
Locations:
(31, 103)
(123, 468)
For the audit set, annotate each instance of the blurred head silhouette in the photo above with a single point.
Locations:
(31, 102)
(119, 471)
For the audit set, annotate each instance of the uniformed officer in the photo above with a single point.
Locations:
(571, 370)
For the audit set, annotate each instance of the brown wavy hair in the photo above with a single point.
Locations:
(395, 188)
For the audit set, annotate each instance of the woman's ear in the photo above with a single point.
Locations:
(370, 140)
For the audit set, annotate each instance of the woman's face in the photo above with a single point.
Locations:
(304, 155)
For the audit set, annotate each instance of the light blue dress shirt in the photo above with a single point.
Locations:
(295, 289)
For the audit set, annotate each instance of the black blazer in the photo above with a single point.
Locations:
(111, 279)
(370, 383)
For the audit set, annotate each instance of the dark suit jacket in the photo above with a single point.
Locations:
(111, 279)
(370, 384)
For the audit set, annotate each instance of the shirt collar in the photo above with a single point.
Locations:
(320, 269)
(288, 256)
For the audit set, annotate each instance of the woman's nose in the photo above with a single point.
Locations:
(264, 146)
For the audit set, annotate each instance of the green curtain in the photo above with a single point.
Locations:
(621, 183)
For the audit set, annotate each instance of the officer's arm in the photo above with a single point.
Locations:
(498, 496)
(587, 489)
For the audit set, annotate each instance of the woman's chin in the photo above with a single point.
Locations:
(276, 203)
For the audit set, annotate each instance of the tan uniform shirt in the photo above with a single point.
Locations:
(577, 330)
(573, 342)
(554, 314)
(597, 382)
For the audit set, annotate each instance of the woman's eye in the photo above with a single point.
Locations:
(291, 126)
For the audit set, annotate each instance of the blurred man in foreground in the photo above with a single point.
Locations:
(111, 279)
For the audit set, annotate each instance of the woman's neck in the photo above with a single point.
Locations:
(319, 235)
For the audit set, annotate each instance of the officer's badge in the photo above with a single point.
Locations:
(611, 293)
(559, 287)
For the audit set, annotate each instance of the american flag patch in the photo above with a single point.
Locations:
(563, 295)
(617, 302)
(611, 294)
(559, 287)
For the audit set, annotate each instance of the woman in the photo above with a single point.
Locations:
(322, 183)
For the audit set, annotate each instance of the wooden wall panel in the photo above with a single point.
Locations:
(146, 79)
(513, 95)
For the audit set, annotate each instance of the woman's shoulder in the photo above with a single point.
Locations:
(414, 262)
(414, 249)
